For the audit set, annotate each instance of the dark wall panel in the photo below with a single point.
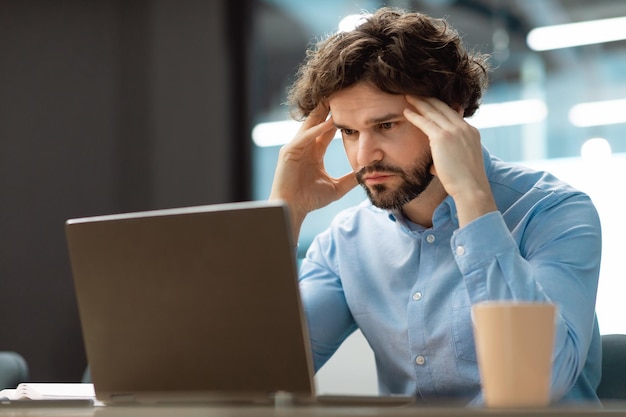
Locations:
(105, 106)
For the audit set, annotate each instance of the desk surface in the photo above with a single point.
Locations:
(617, 409)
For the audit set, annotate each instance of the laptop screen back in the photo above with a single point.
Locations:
(192, 303)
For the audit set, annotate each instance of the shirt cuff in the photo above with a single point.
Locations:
(480, 240)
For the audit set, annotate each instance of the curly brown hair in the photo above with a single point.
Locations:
(400, 53)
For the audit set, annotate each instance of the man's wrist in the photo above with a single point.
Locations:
(474, 204)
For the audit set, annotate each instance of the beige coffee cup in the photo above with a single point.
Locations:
(514, 345)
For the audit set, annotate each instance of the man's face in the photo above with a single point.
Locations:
(390, 156)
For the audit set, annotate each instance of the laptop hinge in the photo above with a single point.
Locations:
(283, 399)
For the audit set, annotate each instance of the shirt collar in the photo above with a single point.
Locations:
(446, 211)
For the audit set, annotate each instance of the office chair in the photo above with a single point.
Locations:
(613, 383)
(13, 369)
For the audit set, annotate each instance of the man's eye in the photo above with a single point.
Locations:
(347, 132)
(386, 125)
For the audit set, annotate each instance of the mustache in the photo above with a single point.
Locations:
(377, 167)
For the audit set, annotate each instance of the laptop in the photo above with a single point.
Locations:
(194, 304)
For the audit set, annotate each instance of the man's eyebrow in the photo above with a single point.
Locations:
(375, 120)
(383, 119)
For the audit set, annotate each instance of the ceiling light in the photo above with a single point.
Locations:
(598, 113)
(276, 133)
(596, 150)
(509, 113)
(351, 22)
(576, 34)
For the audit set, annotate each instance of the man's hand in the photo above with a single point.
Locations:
(300, 178)
(457, 155)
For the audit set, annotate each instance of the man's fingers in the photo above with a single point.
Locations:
(435, 110)
(317, 116)
(307, 135)
(327, 136)
(425, 124)
(346, 183)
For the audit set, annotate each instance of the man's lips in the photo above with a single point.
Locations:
(376, 178)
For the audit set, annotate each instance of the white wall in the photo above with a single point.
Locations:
(603, 179)
(351, 370)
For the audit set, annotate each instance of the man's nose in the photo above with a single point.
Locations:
(369, 150)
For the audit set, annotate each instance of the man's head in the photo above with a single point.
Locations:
(390, 156)
(399, 53)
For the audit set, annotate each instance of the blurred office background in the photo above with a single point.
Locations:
(534, 113)
(113, 105)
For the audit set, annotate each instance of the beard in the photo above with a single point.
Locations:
(414, 182)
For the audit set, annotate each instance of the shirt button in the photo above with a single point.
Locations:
(417, 296)
(460, 250)
(420, 360)
(430, 238)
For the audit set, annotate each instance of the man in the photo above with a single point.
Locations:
(446, 225)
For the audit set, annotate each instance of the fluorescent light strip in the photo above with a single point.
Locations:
(509, 113)
(577, 34)
(598, 113)
(276, 133)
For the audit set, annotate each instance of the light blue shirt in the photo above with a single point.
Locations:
(409, 289)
